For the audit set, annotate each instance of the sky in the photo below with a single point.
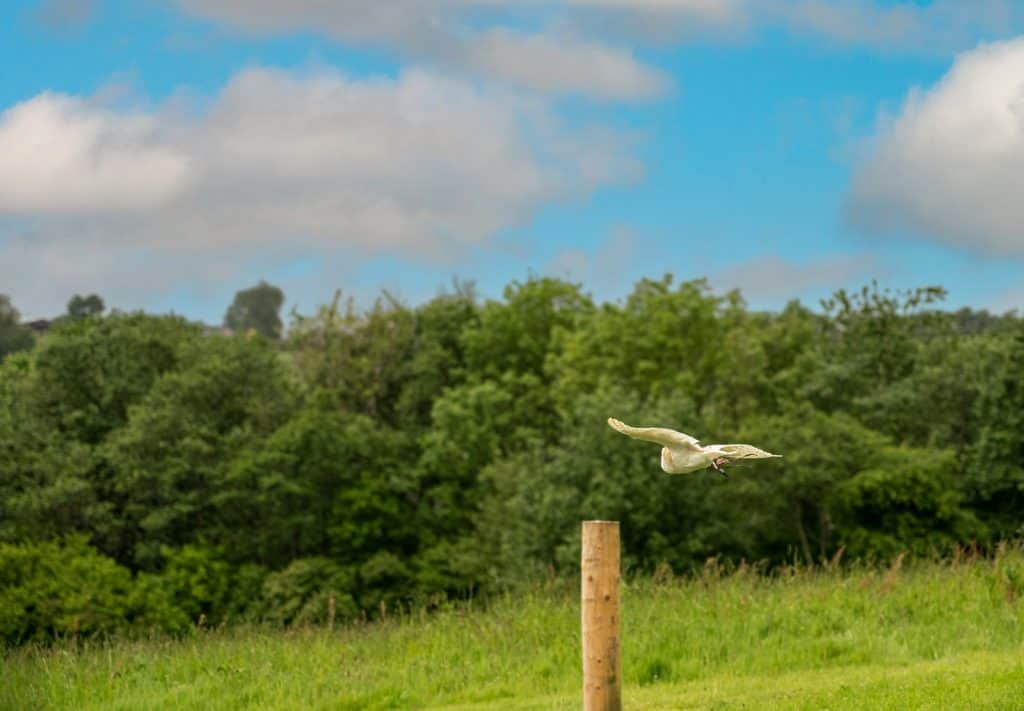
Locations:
(167, 153)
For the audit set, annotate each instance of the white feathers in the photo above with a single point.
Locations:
(658, 435)
(682, 453)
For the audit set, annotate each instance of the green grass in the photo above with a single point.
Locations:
(927, 636)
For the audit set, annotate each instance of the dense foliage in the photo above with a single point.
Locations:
(152, 473)
(258, 309)
(14, 336)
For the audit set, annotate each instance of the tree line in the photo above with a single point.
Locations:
(153, 474)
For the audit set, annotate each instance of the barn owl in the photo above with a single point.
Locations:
(681, 453)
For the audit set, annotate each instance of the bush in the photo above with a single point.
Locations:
(196, 583)
(54, 589)
(301, 593)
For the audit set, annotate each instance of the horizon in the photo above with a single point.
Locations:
(288, 315)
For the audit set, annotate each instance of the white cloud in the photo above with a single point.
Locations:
(950, 164)
(584, 41)
(1012, 300)
(549, 63)
(626, 255)
(720, 9)
(773, 278)
(63, 155)
(608, 267)
(938, 27)
(420, 165)
(449, 34)
(660, 21)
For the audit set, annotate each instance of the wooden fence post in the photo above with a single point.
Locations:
(599, 594)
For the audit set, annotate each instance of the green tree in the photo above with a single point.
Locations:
(357, 362)
(517, 335)
(13, 336)
(257, 308)
(904, 499)
(438, 356)
(60, 588)
(84, 306)
(322, 484)
(89, 372)
(58, 406)
(843, 484)
(300, 594)
(995, 474)
(663, 339)
(870, 342)
(390, 363)
(170, 460)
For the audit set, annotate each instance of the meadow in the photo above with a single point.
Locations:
(924, 634)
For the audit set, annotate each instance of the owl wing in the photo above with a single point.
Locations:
(658, 435)
(742, 451)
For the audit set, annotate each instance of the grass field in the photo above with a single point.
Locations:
(921, 636)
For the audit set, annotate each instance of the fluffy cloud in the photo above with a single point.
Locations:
(938, 27)
(949, 164)
(609, 266)
(551, 64)
(659, 21)
(420, 165)
(721, 10)
(577, 46)
(625, 256)
(773, 278)
(63, 155)
(451, 35)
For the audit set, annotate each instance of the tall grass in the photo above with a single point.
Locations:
(798, 636)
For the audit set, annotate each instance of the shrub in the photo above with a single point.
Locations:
(54, 589)
(301, 593)
(196, 583)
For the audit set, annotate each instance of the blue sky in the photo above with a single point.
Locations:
(168, 153)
